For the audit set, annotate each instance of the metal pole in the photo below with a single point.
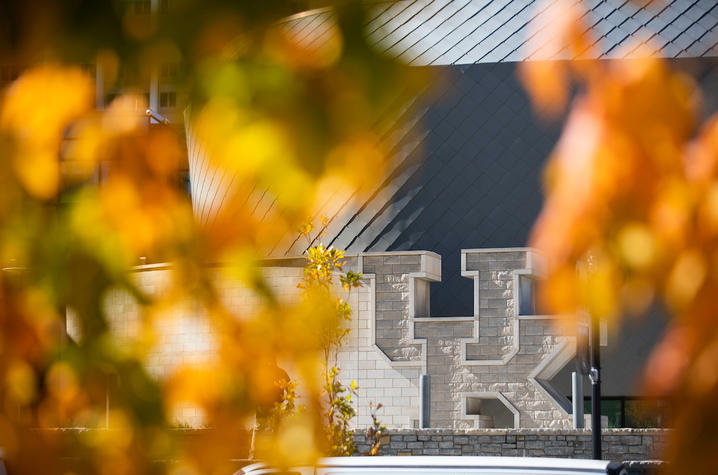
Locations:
(595, 376)
(577, 400)
(425, 421)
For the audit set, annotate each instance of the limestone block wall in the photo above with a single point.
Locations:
(382, 326)
(182, 334)
(393, 325)
(495, 274)
(494, 356)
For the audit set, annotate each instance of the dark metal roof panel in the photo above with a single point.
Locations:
(443, 32)
(482, 150)
(478, 183)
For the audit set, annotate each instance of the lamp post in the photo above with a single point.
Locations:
(595, 376)
(583, 368)
(585, 269)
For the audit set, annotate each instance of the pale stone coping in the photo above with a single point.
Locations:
(540, 317)
(429, 268)
(430, 257)
(430, 254)
(443, 319)
(496, 249)
(170, 265)
(14, 269)
(262, 263)
(394, 253)
(151, 267)
(360, 254)
(534, 259)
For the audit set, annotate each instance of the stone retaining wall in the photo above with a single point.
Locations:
(618, 444)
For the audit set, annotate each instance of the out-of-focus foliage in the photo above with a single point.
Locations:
(329, 331)
(282, 414)
(322, 265)
(376, 432)
(284, 408)
(339, 413)
(632, 196)
(85, 193)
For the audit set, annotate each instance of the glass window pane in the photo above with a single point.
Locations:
(526, 295)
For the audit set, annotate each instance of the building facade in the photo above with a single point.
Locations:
(440, 242)
(466, 173)
(489, 369)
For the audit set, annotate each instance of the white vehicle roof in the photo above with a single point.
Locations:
(449, 464)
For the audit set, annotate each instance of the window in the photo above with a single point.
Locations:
(90, 69)
(140, 7)
(168, 99)
(168, 71)
(421, 298)
(183, 182)
(527, 295)
(637, 413)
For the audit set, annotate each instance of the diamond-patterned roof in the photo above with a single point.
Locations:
(467, 164)
(441, 32)
(467, 174)
(475, 183)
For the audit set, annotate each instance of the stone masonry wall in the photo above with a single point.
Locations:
(396, 387)
(392, 329)
(617, 444)
(492, 357)
(183, 334)
(496, 303)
